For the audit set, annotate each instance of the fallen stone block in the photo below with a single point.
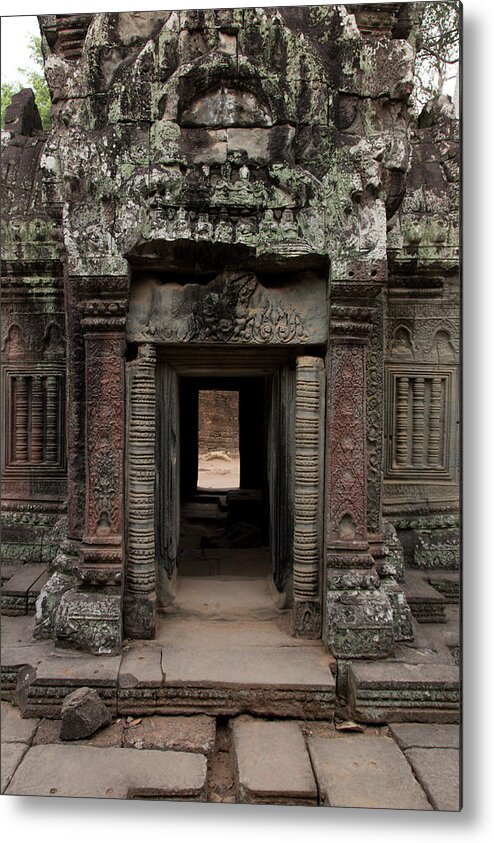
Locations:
(272, 765)
(83, 713)
(364, 772)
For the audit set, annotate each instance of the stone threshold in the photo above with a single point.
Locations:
(36, 676)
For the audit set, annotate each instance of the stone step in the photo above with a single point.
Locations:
(427, 604)
(272, 765)
(447, 583)
(111, 773)
(20, 591)
(211, 669)
(394, 692)
(358, 771)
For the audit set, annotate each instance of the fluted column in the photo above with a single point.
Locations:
(51, 429)
(21, 433)
(309, 467)
(418, 433)
(402, 422)
(434, 444)
(140, 599)
(37, 426)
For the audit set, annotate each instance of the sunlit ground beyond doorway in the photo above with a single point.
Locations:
(219, 455)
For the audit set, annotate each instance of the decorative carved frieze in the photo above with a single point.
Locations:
(309, 466)
(234, 308)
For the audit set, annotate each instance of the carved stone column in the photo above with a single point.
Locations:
(140, 596)
(308, 498)
(359, 621)
(90, 616)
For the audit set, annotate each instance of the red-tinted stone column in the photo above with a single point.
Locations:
(90, 616)
(358, 616)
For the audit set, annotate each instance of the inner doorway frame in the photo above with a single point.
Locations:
(149, 427)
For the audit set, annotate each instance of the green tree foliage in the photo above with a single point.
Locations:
(438, 48)
(35, 80)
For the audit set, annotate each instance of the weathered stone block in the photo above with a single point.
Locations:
(90, 621)
(359, 624)
(83, 713)
(48, 602)
(402, 615)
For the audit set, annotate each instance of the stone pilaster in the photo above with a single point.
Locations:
(359, 622)
(140, 596)
(90, 616)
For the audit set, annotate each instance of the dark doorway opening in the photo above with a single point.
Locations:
(226, 419)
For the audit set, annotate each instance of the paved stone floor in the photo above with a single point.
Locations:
(240, 759)
(235, 653)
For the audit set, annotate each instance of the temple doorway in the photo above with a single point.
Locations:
(224, 481)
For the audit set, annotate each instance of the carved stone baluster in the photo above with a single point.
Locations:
(418, 431)
(21, 437)
(141, 574)
(401, 450)
(434, 447)
(307, 538)
(52, 409)
(37, 420)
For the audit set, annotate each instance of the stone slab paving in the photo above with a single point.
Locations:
(364, 772)
(111, 773)
(141, 666)
(14, 728)
(425, 736)
(272, 765)
(11, 756)
(196, 733)
(110, 736)
(438, 771)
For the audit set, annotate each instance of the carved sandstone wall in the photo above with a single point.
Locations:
(230, 179)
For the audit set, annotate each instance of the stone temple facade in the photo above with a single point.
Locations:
(240, 198)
